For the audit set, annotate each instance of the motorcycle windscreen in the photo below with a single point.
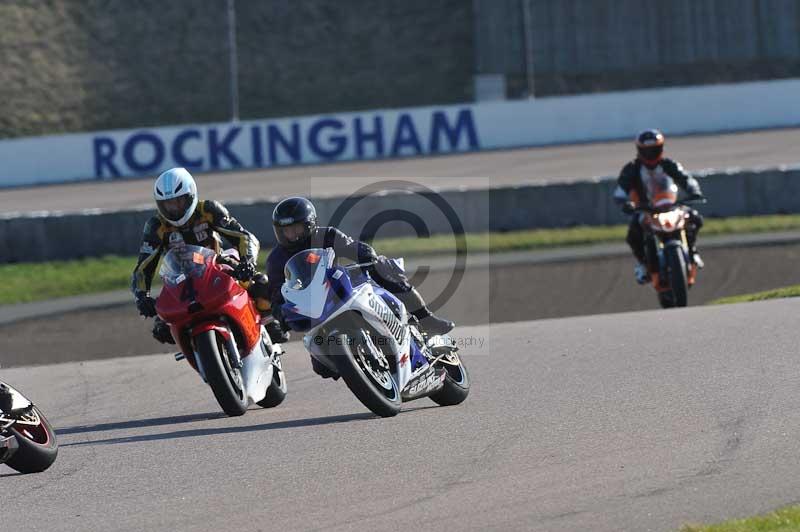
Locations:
(661, 190)
(306, 285)
(183, 262)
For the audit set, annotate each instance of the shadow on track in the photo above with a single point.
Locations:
(309, 422)
(140, 423)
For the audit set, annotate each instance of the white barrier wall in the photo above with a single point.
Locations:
(398, 133)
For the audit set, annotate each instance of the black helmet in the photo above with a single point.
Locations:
(650, 146)
(294, 220)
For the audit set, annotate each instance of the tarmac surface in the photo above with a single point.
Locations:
(476, 170)
(624, 422)
(637, 421)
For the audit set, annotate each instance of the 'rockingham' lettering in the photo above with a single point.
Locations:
(286, 142)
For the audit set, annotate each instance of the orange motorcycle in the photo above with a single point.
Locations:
(669, 259)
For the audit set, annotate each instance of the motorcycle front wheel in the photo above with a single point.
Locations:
(371, 383)
(225, 380)
(676, 265)
(37, 443)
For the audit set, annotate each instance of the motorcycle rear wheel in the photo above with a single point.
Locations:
(456, 382)
(219, 374)
(276, 392)
(37, 443)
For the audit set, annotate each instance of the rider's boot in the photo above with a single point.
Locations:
(642, 273)
(428, 321)
(276, 333)
(697, 259)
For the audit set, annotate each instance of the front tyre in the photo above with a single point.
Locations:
(225, 381)
(367, 376)
(676, 265)
(456, 381)
(38, 447)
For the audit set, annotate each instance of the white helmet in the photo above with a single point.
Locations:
(175, 193)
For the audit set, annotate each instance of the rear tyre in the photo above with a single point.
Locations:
(38, 447)
(372, 384)
(276, 392)
(225, 381)
(456, 381)
(676, 264)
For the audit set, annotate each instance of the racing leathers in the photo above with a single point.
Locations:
(633, 185)
(207, 227)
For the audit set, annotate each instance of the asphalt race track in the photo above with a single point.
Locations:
(641, 421)
(494, 168)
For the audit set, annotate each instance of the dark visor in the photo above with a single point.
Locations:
(651, 152)
(175, 208)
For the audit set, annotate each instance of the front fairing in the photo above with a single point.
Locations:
(667, 221)
(208, 292)
(302, 313)
(315, 288)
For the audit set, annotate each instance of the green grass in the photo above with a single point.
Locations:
(39, 281)
(783, 520)
(572, 236)
(788, 291)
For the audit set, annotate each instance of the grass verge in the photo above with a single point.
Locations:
(38, 281)
(783, 520)
(788, 291)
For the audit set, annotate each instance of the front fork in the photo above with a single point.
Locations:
(655, 246)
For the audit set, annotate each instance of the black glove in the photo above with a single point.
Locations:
(145, 304)
(245, 270)
(628, 207)
(162, 333)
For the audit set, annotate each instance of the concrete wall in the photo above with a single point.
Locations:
(597, 45)
(769, 191)
(84, 65)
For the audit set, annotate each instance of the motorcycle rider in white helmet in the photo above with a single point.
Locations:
(182, 219)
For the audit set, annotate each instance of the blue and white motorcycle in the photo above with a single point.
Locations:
(360, 332)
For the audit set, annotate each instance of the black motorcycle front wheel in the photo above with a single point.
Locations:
(676, 265)
(37, 443)
(225, 380)
(372, 384)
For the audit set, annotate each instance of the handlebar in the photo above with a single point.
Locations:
(684, 203)
(360, 265)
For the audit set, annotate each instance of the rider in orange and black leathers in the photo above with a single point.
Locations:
(631, 192)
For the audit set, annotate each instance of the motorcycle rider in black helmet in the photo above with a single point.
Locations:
(632, 191)
(294, 221)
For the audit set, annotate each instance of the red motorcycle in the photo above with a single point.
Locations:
(215, 322)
